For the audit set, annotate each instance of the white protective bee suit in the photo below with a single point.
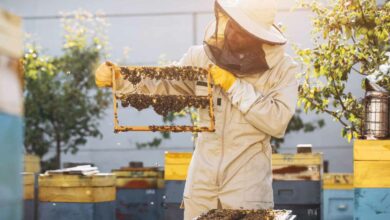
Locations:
(233, 164)
(231, 168)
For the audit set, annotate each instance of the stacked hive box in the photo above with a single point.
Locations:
(32, 164)
(337, 196)
(176, 165)
(11, 119)
(140, 192)
(32, 167)
(28, 195)
(77, 197)
(297, 184)
(372, 179)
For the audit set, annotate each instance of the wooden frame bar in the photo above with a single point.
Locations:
(123, 128)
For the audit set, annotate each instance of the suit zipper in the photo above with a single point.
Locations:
(222, 145)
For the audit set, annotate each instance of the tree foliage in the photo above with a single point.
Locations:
(350, 38)
(62, 104)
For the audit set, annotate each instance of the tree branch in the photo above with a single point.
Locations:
(357, 71)
(338, 96)
(361, 10)
(332, 113)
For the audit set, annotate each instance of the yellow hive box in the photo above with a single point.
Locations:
(28, 186)
(176, 165)
(305, 166)
(32, 164)
(337, 181)
(297, 159)
(77, 188)
(139, 178)
(11, 34)
(372, 174)
(378, 150)
(136, 183)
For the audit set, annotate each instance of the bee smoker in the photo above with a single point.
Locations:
(376, 115)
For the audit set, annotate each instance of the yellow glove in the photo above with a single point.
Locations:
(222, 77)
(103, 75)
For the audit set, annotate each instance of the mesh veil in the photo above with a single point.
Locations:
(220, 48)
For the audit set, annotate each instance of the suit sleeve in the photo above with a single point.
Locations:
(271, 112)
(160, 87)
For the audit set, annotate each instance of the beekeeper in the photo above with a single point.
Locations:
(255, 97)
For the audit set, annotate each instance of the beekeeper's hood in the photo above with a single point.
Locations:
(254, 18)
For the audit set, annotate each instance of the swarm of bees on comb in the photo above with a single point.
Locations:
(231, 214)
(163, 104)
(135, 74)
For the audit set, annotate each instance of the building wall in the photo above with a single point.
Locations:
(152, 28)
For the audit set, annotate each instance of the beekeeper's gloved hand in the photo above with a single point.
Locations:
(103, 75)
(222, 77)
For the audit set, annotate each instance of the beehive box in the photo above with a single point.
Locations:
(11, 116)
(296, 184)
(371, 179)
(176, 166)
(32, 163)
(28, 196)
(140, 192)
(305, 166)
(137, 178)
(77, 197)
(338, 196)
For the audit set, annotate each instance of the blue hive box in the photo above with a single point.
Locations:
(337, 196)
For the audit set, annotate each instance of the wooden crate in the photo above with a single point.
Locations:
(297, 166)
(176, 165)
